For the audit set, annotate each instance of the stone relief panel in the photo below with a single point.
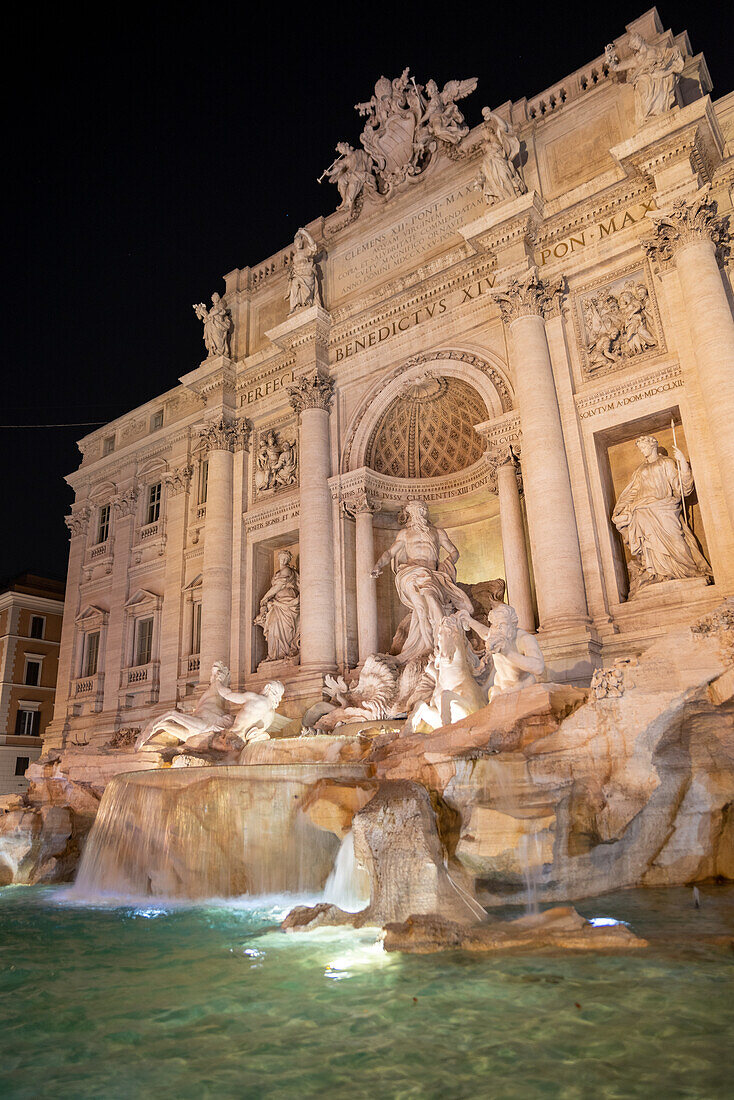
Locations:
(275, 460)
(617, 322)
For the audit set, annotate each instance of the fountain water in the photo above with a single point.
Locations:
(348, 885)
(209, 832)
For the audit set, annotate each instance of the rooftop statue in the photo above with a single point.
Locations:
(303, 286)
(217, 326)
(653, 71)
(648, 517)
(499, 177)
(403, 124)
(425, 582)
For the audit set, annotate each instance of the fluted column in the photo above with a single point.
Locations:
(311, 398)
(514, 547)
(177, 486)
(115, 658)
(559, 580)
(689, 234)
(220, 441)
(366, 585)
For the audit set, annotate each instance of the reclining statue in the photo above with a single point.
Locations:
(515, 654)
(212, 726)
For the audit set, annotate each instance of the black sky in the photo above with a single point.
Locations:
(150, 151)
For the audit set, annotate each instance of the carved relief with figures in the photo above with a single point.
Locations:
(617, 322)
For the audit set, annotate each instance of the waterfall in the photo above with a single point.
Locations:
(530, 855)
(209, 832)
(348, 885)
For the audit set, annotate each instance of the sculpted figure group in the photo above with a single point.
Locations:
(275, 463)
(618, 326)
(653, 71)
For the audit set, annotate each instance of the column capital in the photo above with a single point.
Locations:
(225, 435)
(78, 520)
(177, 481)
(505, 455)
(313, 390)
(124, 503)
(530, 296)
(687, 221)
(360, 503)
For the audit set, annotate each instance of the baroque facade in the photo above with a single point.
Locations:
(488, 322)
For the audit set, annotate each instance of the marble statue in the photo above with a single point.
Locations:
(499, 178)
(217, 326)
(211, 717)
(352, 173)
(513, 652)
(303, 287)
(369, 699)
(425, 582)
(618, 326)
(275, 463)
(280, 611)
(257, 715)
(648, 517)
(442, 118)
(632, 300)
(653, 71)
(453, 666)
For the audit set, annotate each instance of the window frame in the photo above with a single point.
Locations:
(88, 635)
(37, 619)
(38, 662)
(103, 524)
(20, 773)
(156, 420)
(139, 623)
(203, 481)
(153, 503)
(34, 713)
(108, 445)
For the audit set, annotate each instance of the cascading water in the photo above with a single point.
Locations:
(348, 885)
(209, 832)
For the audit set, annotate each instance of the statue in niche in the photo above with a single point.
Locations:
(513, 653)
(648, 515)
(352, 173)
(217, 326)
(303, 288)
(499, 177)
(275, 463)
(280, 611)
(212, 727)
(425, 582)
(653, 71)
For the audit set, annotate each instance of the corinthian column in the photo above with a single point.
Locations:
(689, 234)
(78, 523)
(364, 509)
(514, 548)
(311, 398)
(219, 440)
(177, 486)
(559, 579)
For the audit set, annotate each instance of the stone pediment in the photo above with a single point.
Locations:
(92, 616)
(144, 599)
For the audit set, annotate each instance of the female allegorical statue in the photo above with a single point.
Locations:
(280, 611)
(648, 517)
(653, 72)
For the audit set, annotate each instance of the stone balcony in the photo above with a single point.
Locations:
(87, 693)
(139, 684)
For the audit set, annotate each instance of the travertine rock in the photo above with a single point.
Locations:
(332, 803)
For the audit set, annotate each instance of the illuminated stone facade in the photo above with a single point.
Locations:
(488, 321)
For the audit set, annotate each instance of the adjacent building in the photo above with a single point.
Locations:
(31, 611)
(489, 321)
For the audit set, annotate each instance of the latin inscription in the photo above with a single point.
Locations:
(406, 241)
(266, 388)
(631, 399)
(593, 234)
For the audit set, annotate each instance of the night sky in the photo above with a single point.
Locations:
(151, 153)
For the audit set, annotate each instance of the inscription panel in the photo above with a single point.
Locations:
(407, 241)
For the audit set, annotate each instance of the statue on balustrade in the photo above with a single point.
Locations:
(213, 728)
(499, 177)
(303, 287)
(280, 614)
(648, 515)
(217, 326)
(653, 71)
(425, 582)
(275, 463)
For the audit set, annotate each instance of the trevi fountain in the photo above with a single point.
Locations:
(393, 748)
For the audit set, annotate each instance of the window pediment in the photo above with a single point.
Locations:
(92, 617)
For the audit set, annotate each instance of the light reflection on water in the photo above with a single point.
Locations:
(151, 999)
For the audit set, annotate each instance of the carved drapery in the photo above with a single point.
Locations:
(314, 390)
(687, 220)
(225, 435)
(530, 296)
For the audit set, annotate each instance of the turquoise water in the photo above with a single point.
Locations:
(215, 1002)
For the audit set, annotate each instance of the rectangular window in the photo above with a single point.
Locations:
(27, 723)
(203, 480)
(156, 420)
(196, 631)
(38, 624)
(32, 673)
(103, 524)
(143, 641)
(21, 764)
(154, 503)
(109, 445)
(91, 654)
